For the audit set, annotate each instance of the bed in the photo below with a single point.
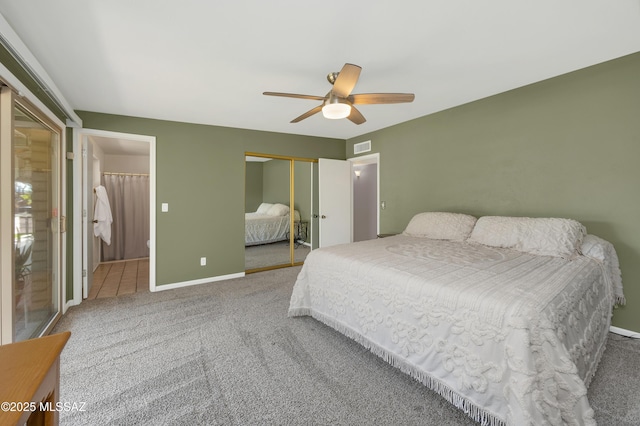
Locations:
(268, 224)
(506, 318)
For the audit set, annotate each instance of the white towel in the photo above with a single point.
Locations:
(102, 214)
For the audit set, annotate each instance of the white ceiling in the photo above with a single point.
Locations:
(208, 62)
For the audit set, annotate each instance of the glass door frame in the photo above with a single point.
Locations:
(9, 100)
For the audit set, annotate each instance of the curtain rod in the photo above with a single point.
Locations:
(125, 174)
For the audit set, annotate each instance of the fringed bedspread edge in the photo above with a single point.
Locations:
(477, 413)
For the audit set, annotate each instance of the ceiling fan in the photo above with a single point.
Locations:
(339, 102)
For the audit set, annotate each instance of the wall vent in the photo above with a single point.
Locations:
(361, 147)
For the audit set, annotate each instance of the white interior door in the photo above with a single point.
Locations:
(334, 199)
(97, 241)
(87, 217)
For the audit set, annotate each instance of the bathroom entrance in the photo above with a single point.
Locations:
(118, 213)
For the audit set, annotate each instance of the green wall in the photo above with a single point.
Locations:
(275, 181)
(565, 147)
(200, 172)
(253, 186)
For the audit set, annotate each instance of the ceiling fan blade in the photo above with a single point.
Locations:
(381, 98)
(356, 116)
(346, 81)
(308, 114)
(295, 95)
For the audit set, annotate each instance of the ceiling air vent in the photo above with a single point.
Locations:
(361, 147)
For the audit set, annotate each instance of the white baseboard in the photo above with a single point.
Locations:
(196, 282)
(623, 332)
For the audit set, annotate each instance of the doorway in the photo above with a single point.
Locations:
(366, 196)
(118, 163)
(347, 201)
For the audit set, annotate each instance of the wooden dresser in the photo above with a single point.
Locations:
(30, 380)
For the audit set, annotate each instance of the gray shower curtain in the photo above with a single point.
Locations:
(129, 199)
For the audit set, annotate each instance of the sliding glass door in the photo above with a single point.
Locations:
(31, 289)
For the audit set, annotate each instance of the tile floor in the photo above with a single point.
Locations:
(118, 278)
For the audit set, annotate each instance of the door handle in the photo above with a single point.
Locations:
(323, 217)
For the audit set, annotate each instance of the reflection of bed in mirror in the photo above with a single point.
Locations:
(268, 224)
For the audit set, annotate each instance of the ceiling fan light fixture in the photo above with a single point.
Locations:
(340, 102)
(335, 108)
(336, 111)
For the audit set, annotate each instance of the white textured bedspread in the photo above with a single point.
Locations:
(508, 337)
(262, 228)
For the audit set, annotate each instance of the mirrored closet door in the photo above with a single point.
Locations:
(277, 235)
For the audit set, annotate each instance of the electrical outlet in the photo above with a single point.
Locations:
(203, 261)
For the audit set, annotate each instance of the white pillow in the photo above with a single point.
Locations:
(264, 208)
(278, 210)
(441, 226)
(544, 236)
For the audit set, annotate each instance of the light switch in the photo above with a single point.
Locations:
(165, 207)
(383, 205)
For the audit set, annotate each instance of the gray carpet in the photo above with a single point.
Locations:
(225, 353)
(273, 254)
